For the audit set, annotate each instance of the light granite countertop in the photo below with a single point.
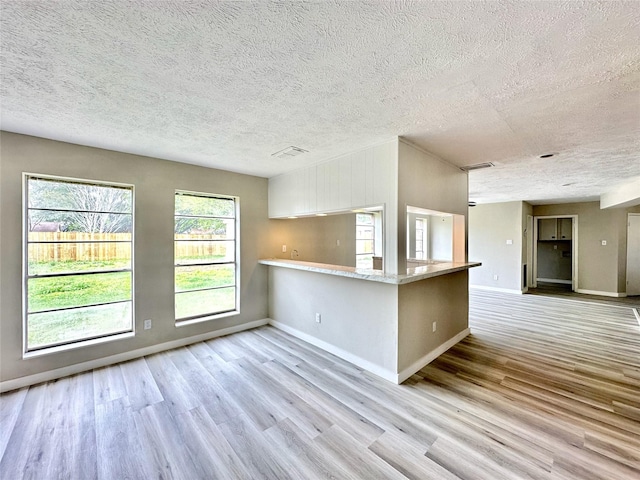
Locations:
(413, 274)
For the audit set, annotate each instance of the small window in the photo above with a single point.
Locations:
(79, 277)
(421, 238)
(205, 256)
(365, 239)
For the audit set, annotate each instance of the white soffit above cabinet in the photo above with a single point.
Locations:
(226, 84)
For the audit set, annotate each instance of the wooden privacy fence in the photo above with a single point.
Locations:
(78, 246)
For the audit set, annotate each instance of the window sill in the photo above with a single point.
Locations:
(184, 323)
(72, 346)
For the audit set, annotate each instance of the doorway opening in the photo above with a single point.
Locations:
(554, 253)
(633, 255)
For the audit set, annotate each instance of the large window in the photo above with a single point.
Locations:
(205, 256)
(78, 256)
(365, 238)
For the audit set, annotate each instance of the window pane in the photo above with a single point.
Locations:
(78, 257)
(204, 206)
(203, 302)
(90, 226)
(49, 293)
(65, 195)
(206, 276)
(364, 261)
(364, 232)
(187, 228)
(364, 219)
(364, 246)
(70, 325)
(204, 234)
(190, 252)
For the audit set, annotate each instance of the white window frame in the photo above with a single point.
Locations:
(373, 240)
(236, 262)
(423, 238)
(86, 341)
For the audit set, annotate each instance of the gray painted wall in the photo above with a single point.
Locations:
(316, 239)
(444, 300)
(600, 268)
(426, 181)
(155, 182)
(359, 317)
(490, 226)
(440, 238)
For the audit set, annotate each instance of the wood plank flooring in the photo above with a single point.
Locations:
(544, 388)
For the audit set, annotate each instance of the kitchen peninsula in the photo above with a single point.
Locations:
(383, 323)
(392, 321)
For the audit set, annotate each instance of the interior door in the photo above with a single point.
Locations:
(633, 255)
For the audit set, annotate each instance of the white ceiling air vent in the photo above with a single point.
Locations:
(477, 166)
(289, 152)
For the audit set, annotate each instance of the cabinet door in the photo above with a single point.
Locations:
(285, 195)
(564, 228)
(547, 229)
(278, 201)
(311, 191)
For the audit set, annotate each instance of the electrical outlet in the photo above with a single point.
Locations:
(147, 324)
(434, 326)
(284, 249)
(337, 243)
(318, 318)
(495, 277)
(509, 242)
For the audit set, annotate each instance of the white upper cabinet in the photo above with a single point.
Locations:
(355, 180)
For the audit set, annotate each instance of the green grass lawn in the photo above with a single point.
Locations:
(196, 277)
(70, 266)
(48, 293)
(68, 325)
(191, 304)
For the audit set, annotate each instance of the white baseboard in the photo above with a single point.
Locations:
(554, 280)
(602, 294)
(431, 356)
(20, 382)
(496, 289)
(370, 367)
(337, 351)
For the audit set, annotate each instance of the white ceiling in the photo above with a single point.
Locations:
(227, 84)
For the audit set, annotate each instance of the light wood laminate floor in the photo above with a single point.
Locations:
(544, 388)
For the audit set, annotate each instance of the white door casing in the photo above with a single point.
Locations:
(633, 254)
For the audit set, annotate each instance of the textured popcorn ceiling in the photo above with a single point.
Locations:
(227, 84)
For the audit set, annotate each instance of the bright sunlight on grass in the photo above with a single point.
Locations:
(50, 293)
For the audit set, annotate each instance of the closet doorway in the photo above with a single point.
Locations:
(554, 252)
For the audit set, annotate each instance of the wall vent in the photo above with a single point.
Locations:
(477, 166)
(289, 152)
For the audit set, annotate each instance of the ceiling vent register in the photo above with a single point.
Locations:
(477, 166)
(289, 152)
